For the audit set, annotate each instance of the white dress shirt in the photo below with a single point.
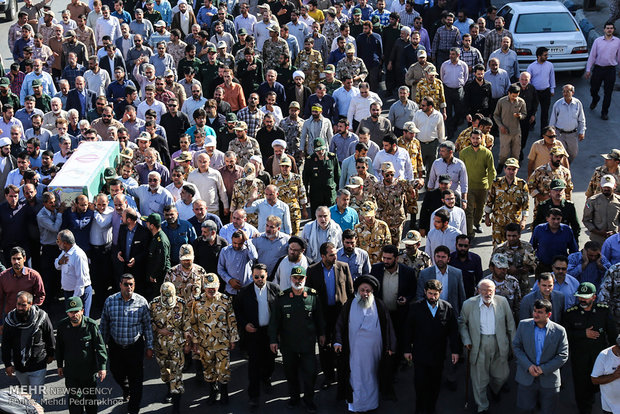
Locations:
(101, 229)
(431, 126)
(487, 318)
(75, 275)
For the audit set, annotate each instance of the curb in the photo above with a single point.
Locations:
(586, 27)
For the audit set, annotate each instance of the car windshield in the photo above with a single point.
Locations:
(545, 23)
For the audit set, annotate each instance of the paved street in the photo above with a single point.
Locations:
(600, 137)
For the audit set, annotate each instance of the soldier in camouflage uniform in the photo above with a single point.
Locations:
(505, 284)
(292, 126)
(612, 161)
(464, 139)
(351, 66)
(507, 201)
(372, 233)
(393, 196)
(244, 188)
(412, 256)
(542, 176)
(213, 335)
(409, 142)
(331, 26)
(244, 146)
(609, 292)
(291, 191)
(330, 82)
(187, 277)
(521, 256)
(171, 338)
(273, 48)
(356, 187)
(310, 62)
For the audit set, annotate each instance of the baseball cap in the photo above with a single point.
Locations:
(319, 144)
(153, 218)
(608, 180)
(74, 304)
(186, 252)
(614, 154)
(412, 237)
(355, 182)
(298, 271)
(330, 69)
(212, 281)
(500, 260)
(557, 184)
(511, 162)
(586, 290)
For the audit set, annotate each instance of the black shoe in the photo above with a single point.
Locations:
(223, 393)
(126, 395)
(594, 103)
(390, 396)
(176, 403)
(268, 388)
(292, 403)
(253, 404)
(310, 406)
(496, 396)
(212, 394)
(604, 117)
(327, 382)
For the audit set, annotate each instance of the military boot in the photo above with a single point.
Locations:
(212, 393)
(168, 397)
(223, 393)
(176, 403)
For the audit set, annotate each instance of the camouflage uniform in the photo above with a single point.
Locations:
(291, 191)
(541, 178)
(188, 285)
(421, 260)
(214, 328)
(415, 153)
(242, 190)
(331, 86)
(524, 255)
(509, 289)
(292, 135)
(354, 68)
(366, 196)
(169, 349)
(272, 51)
(177, 51)
(372, 239)
(369, 182)
(506, 204)
(244, 150)
(311, 64)
(610, 292)
(464, 139)
(595, 182)
(392, 204)
(331, 30)
(434, 90)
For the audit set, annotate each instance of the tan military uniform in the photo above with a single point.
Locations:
(421, 260)
(354, 68)
(168, 349)
(464, 139)
(311, 64)
(524, 255)
(272, 52)
(415, 153)
(541, 178)
(292, 135)
(392, 201)
(373, 238)
(509, 289)
(601, 213)
(434, 90)
(369, 182)
(244, 150)
(291, 191)
(177, 51)
(506, 204)
(213, 329)
(595, 182)
(366, 196)
(188, 285)
(415, 74)
(242, 191)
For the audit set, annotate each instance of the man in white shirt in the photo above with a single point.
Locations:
(399, 157)
(100, 252)
(97, 80)
(73, 264)
(107, 25)
(239, 222)
(359, 108)
(269, 206)
(210, 185)
(442, 233)
(432, 131)
(606, 374)
(457, 214)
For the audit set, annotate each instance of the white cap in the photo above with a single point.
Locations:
(299, 73)
(608, 180)
(279, 142)
(210, 141)
(5, 141)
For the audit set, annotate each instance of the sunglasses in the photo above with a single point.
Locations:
(128, 284)
(259, 277)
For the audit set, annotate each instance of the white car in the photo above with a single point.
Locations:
(546, 23)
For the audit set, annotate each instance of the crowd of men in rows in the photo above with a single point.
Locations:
(261, 198)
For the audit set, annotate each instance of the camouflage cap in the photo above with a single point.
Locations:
(557, 184)
(355, 182)
(330, 69)
(387, 166)
(74, 304)
(586, 290)
(410, 127)
(511, 162)
(298, 271)
(294, 104)
(614, 154)
(186, 252)
(211, 281)
(367, 209)
(349, 48)
(274, 28)
(500, 260)
(558, 150)
(285, 160)
(608, 180)
(5, 81)
(144, 136)
(127, 153)
(412, 237)
(249, 170)
(183, 157)
(241, 126)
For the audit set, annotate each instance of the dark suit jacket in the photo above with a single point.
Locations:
(427, 337)
(344, 282)
(104, 62)
(73, 101)
(269, 165)
(246, 307)
(406, 281)
(290, 95)
(456, 290)
(139, 249)
(119, 44)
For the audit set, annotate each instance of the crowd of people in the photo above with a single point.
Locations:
(264, 199)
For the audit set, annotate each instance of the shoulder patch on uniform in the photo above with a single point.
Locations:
(574, 308)
(312, 290)
(281, 293)
(602, 305)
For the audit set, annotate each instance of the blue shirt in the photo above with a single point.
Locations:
(335, 56)
(358, 261)
(237, 264)
(270, 251)
(25, 117)
(340, 145)
(183, 234)
(125, 321)
(611, 248)
(346, 220)
(330, 284)
(568, 288)
(548, 244)
(539, 341)
(591, 273)
(433, 309)
(203, 19)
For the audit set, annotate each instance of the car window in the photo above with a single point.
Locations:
(507, 13)
(545, 23)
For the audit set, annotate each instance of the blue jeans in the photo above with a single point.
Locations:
(34, 379)
(87, 298)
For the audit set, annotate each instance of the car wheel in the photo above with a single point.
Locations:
(11, 11)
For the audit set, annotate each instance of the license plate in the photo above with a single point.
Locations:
(556, 50)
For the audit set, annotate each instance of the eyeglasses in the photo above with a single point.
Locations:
(172, 105)
(152, 180)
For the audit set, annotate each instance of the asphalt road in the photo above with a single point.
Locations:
(600, 138)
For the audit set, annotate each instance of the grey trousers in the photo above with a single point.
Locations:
(490, 369)
(571, 143)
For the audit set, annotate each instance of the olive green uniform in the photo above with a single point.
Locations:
(296, 322)
(158, 263)
(321, 178)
